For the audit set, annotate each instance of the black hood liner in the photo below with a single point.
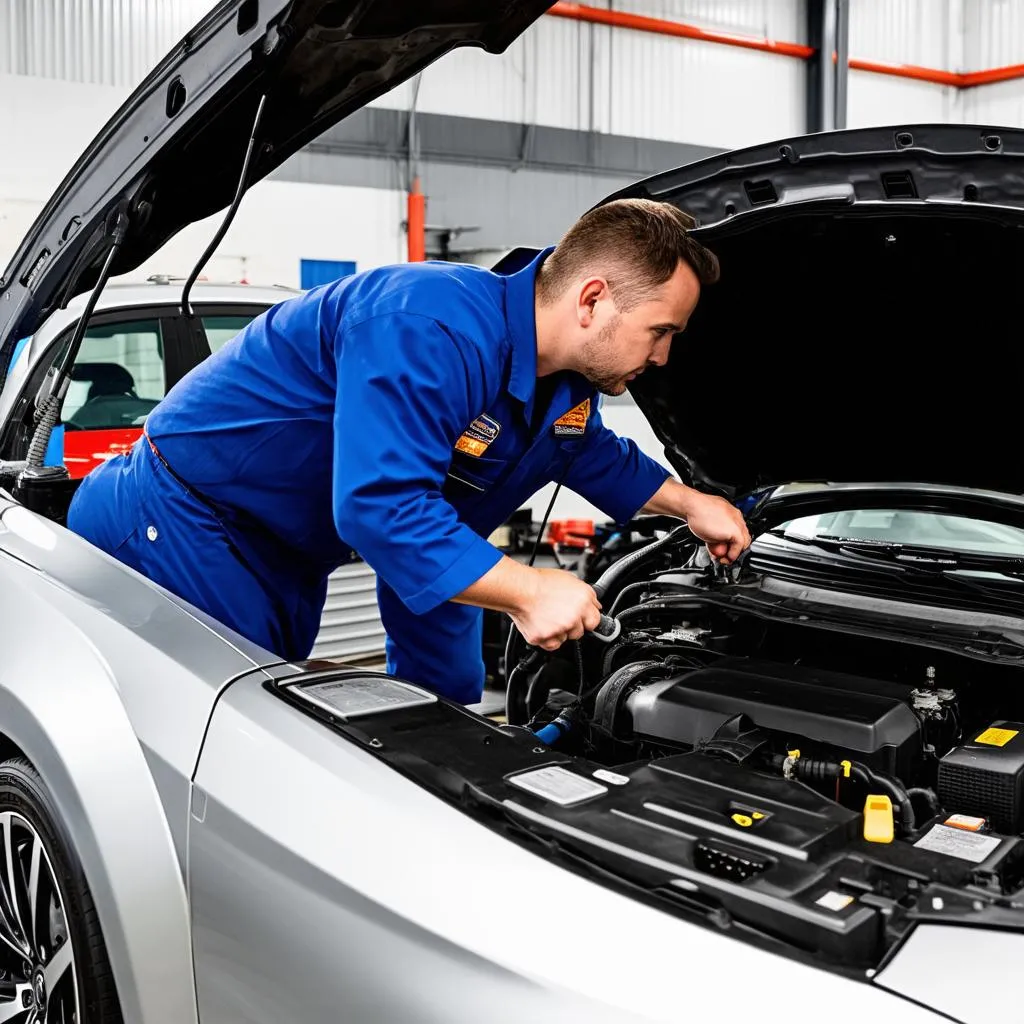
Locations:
(879, 344)
(169, 165)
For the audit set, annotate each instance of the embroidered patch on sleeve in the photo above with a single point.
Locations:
(478, 436)
(574, 421)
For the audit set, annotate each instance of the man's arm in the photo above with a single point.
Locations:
(612, 473)
(712, 519)
(406, 390)
(548, 606)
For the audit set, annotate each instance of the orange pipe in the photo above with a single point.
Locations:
(640, 22)
(660, 26)
(990, 75)
(934, 75)
(416, 224)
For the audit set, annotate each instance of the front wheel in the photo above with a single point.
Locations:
(53, 961)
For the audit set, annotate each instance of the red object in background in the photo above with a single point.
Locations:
(573, 533)
(84, 450)
(416, 221)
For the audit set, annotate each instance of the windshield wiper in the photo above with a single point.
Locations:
(924, 556)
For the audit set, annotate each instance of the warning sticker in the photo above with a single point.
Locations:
(574, 421)
(996, 737)
(478, 436)
(558, 785)
(967, 822)
(955, 842)
(835, 901)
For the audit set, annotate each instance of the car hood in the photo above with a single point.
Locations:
(172, 154)
(865, 324)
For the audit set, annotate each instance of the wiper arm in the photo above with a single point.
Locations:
(925, 557)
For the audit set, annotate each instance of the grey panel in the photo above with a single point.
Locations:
(350, 625)
(506, 184)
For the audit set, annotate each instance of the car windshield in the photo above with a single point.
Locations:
(922, 529)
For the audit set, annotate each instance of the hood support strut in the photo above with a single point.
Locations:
(186, 308)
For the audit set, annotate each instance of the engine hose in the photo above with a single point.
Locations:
(811, 770)
(41, 435)
(612, 574)
(928, 796)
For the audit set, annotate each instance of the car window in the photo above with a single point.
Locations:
(118, 376)
(928, 529)
(221, 328)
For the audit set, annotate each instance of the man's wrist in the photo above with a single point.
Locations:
(673, 498)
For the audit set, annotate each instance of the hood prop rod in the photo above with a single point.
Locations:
(186, 308)
(50, 397)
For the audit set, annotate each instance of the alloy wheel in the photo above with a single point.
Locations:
(38, 978)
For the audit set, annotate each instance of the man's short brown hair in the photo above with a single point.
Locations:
(635, 244)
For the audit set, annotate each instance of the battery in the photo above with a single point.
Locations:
(985, 777)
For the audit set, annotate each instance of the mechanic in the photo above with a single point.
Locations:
(404, 413)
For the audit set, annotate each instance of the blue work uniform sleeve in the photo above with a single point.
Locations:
(407, 388)
(612, 473)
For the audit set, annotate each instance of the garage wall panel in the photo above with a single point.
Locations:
(993, 33)
(108, 42)
(923, 32)
(883, 100)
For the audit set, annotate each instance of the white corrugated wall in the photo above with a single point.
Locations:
(104, 42)
(927, 33)
(994, 37)
(569, 74)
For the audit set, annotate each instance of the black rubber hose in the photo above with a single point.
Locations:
(928, 796)
(811, 770)
(609, 577)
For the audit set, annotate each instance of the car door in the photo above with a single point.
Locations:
(128, 361)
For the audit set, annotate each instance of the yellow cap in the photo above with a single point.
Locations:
(743, 819)
(878, 827)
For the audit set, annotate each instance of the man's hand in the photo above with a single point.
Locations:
(710, 518)
(560, 608)
(548, 606)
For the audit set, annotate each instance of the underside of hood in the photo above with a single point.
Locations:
(174, 151)
(865, 327)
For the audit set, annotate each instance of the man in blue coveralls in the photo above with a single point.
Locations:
(404, 413)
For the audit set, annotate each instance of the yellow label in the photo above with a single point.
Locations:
(743, 820)
(757, 815)
(575, 420)
(471, 446)
(996, 737)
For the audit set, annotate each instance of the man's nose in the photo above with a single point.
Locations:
(659, 357)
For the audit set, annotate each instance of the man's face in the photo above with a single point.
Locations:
(620, 345)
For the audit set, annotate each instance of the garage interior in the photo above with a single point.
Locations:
(771, 746)
(481, 154)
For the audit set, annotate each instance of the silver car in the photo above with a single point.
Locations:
(788, 790)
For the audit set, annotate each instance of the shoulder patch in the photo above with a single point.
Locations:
(574, 421)
(478, 436)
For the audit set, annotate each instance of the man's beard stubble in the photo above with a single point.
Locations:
(594, 358)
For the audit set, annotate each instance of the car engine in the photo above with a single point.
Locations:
(820, 780)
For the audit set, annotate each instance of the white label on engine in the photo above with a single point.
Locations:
(613, 777)
(955, 842)
(558, 785)
(834, 901)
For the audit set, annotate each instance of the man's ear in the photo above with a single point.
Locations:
(592, 291)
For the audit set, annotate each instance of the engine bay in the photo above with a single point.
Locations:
(814, 789)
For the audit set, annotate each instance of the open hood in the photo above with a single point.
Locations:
(865, 327)
(174, 151)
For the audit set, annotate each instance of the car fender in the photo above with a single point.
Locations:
(59, 704)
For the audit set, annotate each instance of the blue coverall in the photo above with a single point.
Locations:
(389, 413)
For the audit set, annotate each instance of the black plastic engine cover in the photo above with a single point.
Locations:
(868, 719)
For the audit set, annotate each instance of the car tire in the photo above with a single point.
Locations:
(78, 981)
